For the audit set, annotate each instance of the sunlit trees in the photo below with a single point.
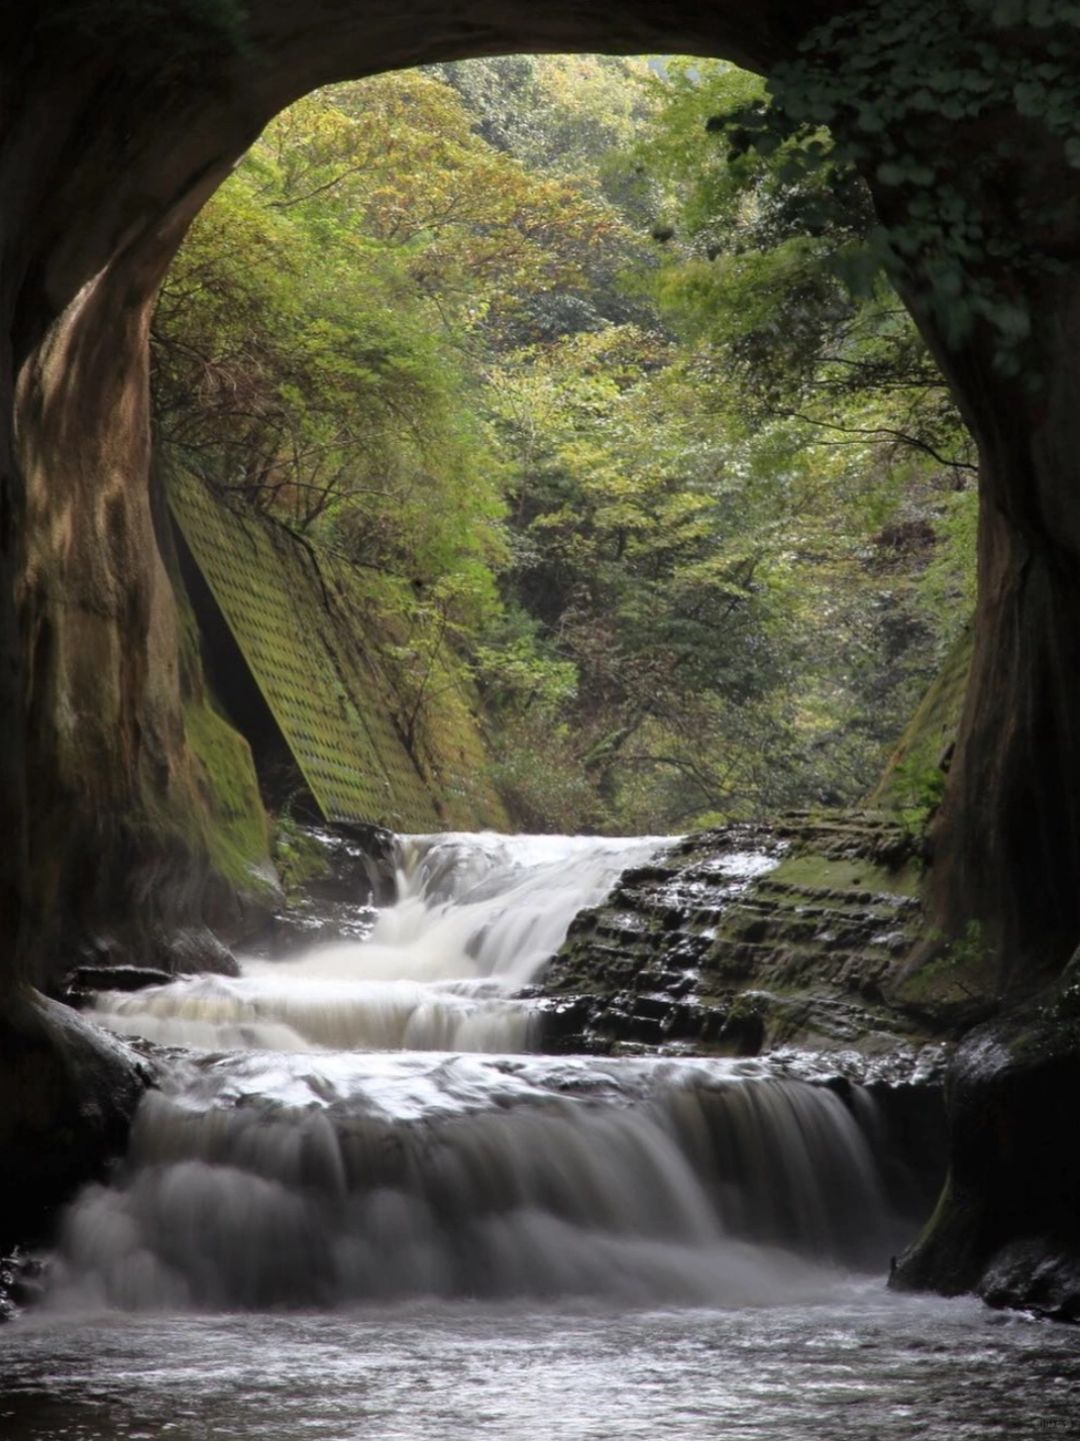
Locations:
(597, 419)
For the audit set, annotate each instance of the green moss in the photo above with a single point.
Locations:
(298, 856)
(955, 983)
(234, 824)
(926, 742)
(817, 872)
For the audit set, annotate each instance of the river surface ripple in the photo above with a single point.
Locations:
(855, 1363)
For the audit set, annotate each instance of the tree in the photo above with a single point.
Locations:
(321, 346)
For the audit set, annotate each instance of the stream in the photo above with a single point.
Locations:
(361, 1204)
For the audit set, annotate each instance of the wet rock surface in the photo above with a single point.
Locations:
(21, 1277)
(743, 939)
(68, 1093)
(192, 951)
(128, 963)
(84, 982)
(335, 878)
(1034, 1275)
(1007, 1225)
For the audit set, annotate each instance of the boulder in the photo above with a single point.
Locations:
(68, 1092)
(1007, 1224)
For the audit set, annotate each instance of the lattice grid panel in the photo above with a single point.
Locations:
(270, 597)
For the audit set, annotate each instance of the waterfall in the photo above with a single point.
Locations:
(266, 1181)
(477, 917)
(333, 1135)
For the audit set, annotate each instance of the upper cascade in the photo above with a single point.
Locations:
(487, 905)
(477, 918)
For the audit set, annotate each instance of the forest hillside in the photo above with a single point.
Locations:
(612, 418)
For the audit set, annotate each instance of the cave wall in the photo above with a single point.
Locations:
(115, 131)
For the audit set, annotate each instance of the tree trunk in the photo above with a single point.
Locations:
(1007, 853)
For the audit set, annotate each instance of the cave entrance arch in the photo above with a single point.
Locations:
(118, 126)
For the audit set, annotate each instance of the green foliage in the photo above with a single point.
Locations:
(937, 103)
(567, 114)
(961, 971)
(970, 950)
(666, 506)
(838, 459)
(302, 368)
(573, 117)
(323, 342)
(538, 768)
(774, 268)
(947, 588)
(918, 791)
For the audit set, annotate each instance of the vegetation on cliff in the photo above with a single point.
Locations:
(610, 417)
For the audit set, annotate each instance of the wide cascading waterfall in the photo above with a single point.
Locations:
(325, 1139)
(477, 917)
(264, 1180)
(322, 1229)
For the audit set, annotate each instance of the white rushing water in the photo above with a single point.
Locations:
(345, 1214)
(330, 1140)
(477, 917)
(270, 1179)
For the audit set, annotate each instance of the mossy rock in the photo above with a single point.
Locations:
(235, 825)
(908, 782)
(799, 952)
(299, 857)
(811, 870)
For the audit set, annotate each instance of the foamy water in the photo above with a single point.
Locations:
(477, 918)
(357, 1208)
(275, 1179)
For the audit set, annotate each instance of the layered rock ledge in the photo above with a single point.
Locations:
(746, 938)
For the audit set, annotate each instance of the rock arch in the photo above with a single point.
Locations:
(115, 129)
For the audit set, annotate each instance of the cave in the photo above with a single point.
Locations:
(118, 133)
(118, 127)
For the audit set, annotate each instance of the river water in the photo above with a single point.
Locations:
(360, 1206)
